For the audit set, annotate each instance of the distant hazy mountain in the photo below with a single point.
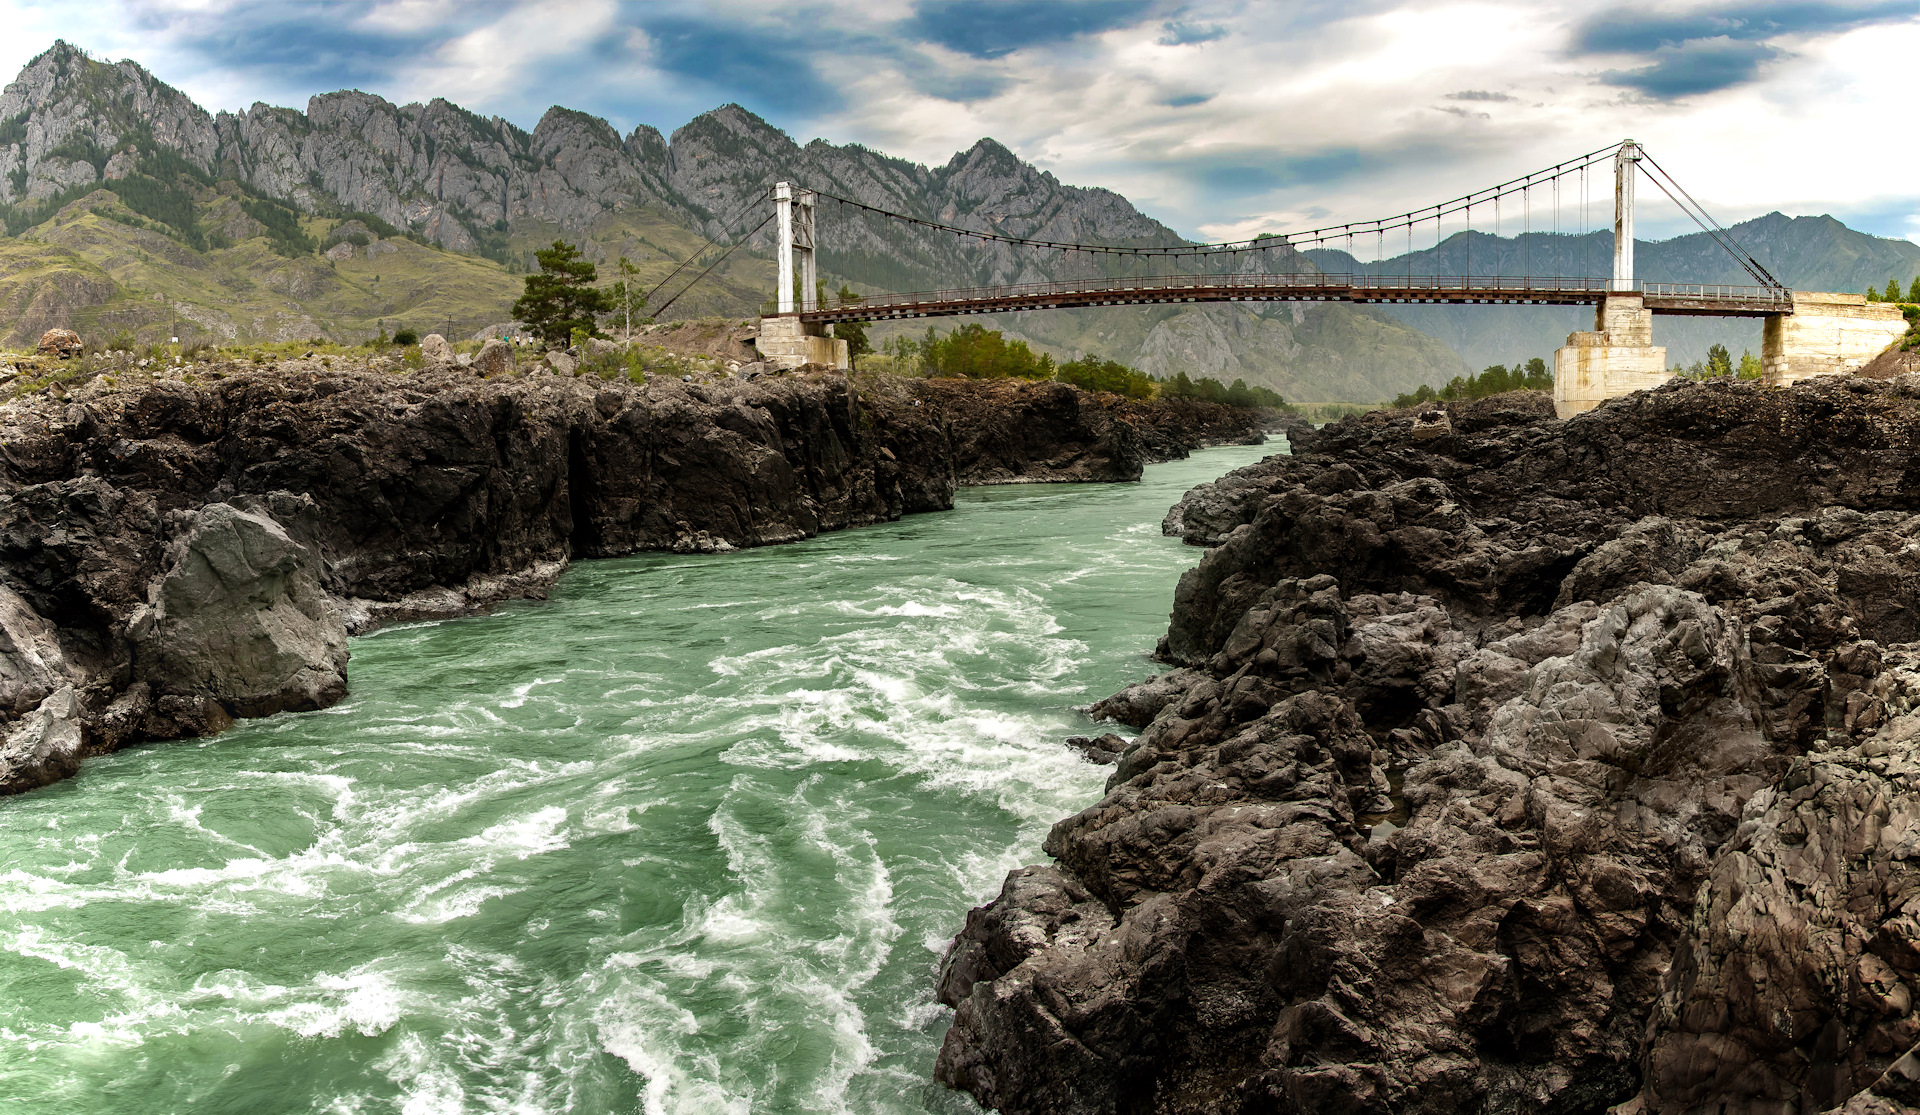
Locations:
(1806, 253)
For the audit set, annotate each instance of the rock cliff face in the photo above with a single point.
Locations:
(1533, 766)
(177, 552)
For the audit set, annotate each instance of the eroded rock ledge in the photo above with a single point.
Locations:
(178, 552)
(1530, 767)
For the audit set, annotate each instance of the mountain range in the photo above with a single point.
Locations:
(129, 207)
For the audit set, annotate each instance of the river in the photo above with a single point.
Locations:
(688, 837)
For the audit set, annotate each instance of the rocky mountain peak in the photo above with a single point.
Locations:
(65, 115)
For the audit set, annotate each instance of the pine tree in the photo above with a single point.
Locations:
(561, 298)
(1719, 362)
(1750, 367)
(1893, 292)
(1913, 291)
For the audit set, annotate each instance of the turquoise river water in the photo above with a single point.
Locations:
(688, 837)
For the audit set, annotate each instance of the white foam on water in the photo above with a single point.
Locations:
(364, 1000)
(427, 1087)
(639, 1024)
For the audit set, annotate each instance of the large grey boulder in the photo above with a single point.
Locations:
(495, 358)
(434, 349)
(239, 620)
(32, 664)
(44, 746)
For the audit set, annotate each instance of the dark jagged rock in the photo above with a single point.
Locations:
(178, 552)
(1010, 431)
(1518, 766)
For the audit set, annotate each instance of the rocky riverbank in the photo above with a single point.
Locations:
(178, 550)
(1507, 765)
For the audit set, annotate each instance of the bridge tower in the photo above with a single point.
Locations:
(1619, 355)
(784, 339)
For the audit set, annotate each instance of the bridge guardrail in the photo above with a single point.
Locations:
(1717, 292)
(1347, 286)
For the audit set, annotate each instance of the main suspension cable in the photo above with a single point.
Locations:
(1310, 236)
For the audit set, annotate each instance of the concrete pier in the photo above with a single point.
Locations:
(1617, 358)
(787, 342)
(1827, 334)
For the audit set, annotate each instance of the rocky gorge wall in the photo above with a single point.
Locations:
(178, 551)
(1506, 765)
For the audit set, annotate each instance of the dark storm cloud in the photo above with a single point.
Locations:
(1717, 47)
(1695, 67)
(310, 45)
(753, 64)
(997, 28)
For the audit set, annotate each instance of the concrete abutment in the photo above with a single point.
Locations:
(787, 342)
(1617, 358)
(1826, 334)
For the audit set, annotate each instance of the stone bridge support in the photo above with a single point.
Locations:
(1617, 358)
(1826, 334)
(787, 342)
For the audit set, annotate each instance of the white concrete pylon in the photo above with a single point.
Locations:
(783, 285)
(1626, 167)
(795, 210)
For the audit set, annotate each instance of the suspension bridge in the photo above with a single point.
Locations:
(1804, 333)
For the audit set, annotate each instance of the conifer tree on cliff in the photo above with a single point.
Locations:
(561, 297)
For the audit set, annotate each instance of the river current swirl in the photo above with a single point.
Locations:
(688, 837)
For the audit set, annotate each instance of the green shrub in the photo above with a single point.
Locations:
(1090, 373)
(976, 352)
(404, 336)
(1210, 390)
(1493, 380)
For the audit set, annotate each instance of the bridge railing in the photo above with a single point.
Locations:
(1212, 287)
(1717, 292)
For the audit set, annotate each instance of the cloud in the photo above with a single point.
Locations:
(1708, 49)
(997, 28)
(1697, 66)
(1176, 33)
(750, 63)
(1480, 95)
(1633, 30)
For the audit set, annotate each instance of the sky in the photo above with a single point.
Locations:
(1222, 120)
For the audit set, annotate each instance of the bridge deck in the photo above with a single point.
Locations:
(1661, 298)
